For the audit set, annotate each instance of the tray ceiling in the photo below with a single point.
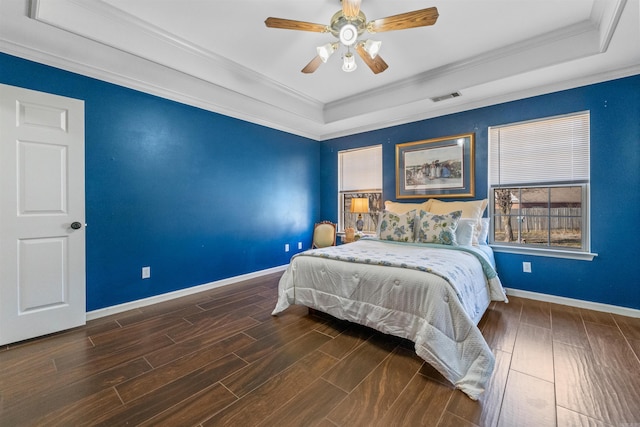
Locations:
(219, 55)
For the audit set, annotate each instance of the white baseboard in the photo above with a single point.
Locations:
(607, 308)
(96, 314)
(107, 311)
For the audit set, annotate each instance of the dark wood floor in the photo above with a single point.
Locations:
(220, 358)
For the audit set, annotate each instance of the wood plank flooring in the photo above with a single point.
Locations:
(219, 358)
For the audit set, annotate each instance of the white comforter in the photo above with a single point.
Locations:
(430, 295)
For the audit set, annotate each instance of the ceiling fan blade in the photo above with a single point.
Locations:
(351, 8)
(289, 24)
(377, 64)
(417, 18)
(312, 65)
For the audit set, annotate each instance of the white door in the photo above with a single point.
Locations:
(42, 237)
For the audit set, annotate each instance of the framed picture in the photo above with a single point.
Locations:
(440, 167)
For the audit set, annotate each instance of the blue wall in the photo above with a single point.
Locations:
(197, 196)
(613, 277)
(200, 197)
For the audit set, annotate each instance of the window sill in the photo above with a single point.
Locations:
(553, 253)
(343, 237)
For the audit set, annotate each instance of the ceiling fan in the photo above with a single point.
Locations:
(347, 25)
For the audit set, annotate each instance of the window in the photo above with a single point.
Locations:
(539, 186)
(360, 176)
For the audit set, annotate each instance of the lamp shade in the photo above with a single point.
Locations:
(326, 50)
(349, 62)
(360, 205)
(372, 47)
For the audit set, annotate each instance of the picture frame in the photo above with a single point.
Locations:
(439, 167)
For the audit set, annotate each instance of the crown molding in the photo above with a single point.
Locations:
(400, 115)
(102, 23)
(423, 109)
(580, 40)
(175, 86)
(606, 15)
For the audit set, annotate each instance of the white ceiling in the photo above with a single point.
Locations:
(219, 55)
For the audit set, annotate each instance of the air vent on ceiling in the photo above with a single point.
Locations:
(447, 96)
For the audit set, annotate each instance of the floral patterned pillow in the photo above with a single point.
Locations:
(398, 227)
(438, 228)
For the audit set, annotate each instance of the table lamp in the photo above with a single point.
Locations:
(360, 206)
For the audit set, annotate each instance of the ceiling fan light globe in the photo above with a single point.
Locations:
(326, 50)
(348, 34)
(349, 63)
(372, 47)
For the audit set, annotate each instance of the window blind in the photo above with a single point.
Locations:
(549, 151)
(361, 169)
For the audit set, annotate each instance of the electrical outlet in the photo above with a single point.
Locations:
(286, 247)
(299, 245)
(146, 272)
(526, 267)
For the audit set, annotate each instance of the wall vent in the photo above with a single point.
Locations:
(447, 96)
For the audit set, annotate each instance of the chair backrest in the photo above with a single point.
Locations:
(324, 234)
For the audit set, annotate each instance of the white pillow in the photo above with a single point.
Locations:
(466, 231)
(397, 227)
(437, 228)
(470, 209)
(402, 208)
(484, 231)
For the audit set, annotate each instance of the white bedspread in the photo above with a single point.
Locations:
(430, 295)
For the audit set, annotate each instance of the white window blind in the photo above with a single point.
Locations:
(549, 151)
(360, 169)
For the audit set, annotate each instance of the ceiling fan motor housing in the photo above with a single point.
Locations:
(347, 30)
(348, 34)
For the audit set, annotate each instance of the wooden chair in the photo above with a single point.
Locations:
(324, 234)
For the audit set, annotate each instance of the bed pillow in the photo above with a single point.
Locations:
(438, 228)
(473, 209)
(484, 231)
(402, 208)
(465, 231)
(397, 227)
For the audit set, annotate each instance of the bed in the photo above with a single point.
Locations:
(432, 294)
